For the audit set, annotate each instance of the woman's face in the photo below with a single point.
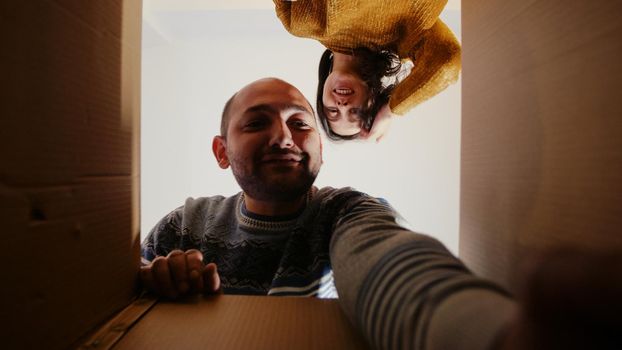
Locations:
(345, 96)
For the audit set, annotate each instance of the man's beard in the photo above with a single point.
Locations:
(257, 182)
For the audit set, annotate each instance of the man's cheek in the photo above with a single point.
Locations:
(311, 143)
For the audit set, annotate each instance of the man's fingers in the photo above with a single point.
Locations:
(194, 263)
(162, 278)
(179, 273)
(146, 276)
(194, 255)
(211, 278)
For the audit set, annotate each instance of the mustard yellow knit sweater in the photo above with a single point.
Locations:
(410, 28)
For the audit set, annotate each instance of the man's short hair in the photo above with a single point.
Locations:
(224, 119)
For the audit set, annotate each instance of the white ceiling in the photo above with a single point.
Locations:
(198, 5)
(167, 21)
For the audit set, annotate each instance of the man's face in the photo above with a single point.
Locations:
(272, 142)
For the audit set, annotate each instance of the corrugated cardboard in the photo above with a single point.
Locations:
(68, 167)
(244, 322)
(541, 130)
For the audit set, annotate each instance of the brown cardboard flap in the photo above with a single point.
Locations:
(98, 16)
(244, 322)
(68, 167)
(73, 259)
(62, 77)
(109, 334)
(541, 147)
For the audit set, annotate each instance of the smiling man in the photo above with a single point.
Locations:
(283, 236)
(269, 239)
(270, 140)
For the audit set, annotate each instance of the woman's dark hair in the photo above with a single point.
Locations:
(372, 67)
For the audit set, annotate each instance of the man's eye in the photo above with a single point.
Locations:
(299, 124)
(254, 124)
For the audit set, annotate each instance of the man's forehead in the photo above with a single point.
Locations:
(270, 92)
(277, 107)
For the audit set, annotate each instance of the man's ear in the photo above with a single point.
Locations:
(219, 147)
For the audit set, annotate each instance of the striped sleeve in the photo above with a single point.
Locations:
(405, 290)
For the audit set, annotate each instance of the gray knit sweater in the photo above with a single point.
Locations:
(403, 290)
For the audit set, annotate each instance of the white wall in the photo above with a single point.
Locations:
(192, 62)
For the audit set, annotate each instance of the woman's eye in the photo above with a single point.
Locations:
(332, 113)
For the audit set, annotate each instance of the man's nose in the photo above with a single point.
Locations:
(281, 136)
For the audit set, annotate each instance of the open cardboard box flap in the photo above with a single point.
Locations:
(69, 129)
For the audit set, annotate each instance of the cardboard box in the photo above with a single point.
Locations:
(69, 129)
(541, 165)
(541, 158)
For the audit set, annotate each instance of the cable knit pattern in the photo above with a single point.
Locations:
(256, 256)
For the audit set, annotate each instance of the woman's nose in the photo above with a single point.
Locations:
(342, 103)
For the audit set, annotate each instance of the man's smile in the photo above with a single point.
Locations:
(281, 158)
